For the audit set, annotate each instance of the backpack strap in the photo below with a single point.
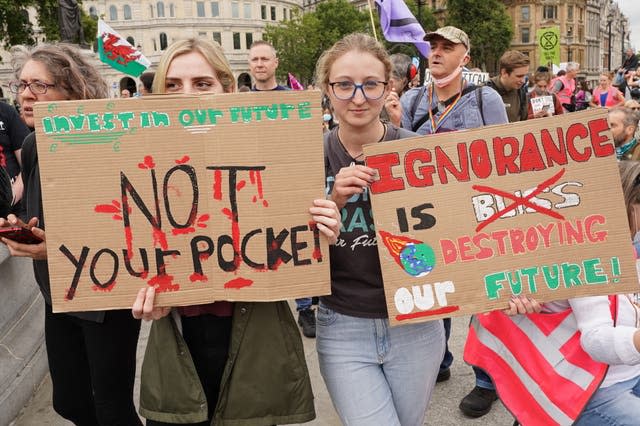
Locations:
(448, 102)
(479, 101)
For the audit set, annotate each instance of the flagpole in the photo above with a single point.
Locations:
(373, 26)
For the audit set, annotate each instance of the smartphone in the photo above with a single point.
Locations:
(19, 235)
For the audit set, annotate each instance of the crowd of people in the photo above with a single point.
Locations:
(243, 363)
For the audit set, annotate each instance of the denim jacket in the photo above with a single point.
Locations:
(465, 115)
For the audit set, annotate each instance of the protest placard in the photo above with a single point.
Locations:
(204, 197)
(540, 103)
(467, 219)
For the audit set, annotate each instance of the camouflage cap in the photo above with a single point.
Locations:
(453, 34)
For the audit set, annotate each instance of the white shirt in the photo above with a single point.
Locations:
(603, 341)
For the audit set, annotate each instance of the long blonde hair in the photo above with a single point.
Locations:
(210, 50)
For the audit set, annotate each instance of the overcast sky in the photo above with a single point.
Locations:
(631, 9)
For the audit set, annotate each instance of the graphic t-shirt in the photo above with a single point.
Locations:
(356, 278)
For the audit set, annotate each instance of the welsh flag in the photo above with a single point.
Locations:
(116, 52)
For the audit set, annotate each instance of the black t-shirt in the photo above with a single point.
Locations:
(12, 133)
(356, 278)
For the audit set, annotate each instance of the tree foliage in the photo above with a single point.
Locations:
(15, 27)
(301, 40)
(488, 26)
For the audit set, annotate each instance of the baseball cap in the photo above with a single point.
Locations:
(453, 34)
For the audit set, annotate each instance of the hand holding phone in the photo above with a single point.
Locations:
(19, 234)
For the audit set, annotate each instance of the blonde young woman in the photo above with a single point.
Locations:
(231, 363)
(92, 355)
(375, 374)
(605, 94)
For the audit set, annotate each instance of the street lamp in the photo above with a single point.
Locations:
(609, 21)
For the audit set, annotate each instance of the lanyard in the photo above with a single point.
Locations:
(435, 123)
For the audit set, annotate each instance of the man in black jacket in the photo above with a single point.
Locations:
(630, 61)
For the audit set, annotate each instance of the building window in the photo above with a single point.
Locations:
(215, 9)
(284, 13)
(93, 12)
(172, 10)
(163, 41)
(126, 12)
(202, 34)
(248, 39)
(570, 13)
(217, 37)
(113, 13)
(524, 13)
(524, 35)
(236, 41)
(273, 13)
(160, 9)
(263, 11)
(246, 11)
(131, 41)
(235, 10)
(200, 9)
(550, 12)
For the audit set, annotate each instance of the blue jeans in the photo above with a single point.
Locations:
(482, 379)
(447, 360)
(303, 303)
(376, 374)
(615, 405)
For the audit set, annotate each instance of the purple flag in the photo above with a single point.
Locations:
(399, 25)
(294, 83)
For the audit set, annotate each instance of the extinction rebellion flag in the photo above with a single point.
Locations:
(399, 25)
(118, 53)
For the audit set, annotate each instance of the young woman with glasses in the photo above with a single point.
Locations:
(375, 374)
(92, 355)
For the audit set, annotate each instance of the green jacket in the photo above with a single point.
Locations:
(265, 381)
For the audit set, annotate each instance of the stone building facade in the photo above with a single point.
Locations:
(151, 26)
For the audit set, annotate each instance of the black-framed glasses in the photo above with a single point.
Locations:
(36, 87)
(371, 89)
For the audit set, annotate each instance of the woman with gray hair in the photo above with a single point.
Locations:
(402, 72)
(92, 355)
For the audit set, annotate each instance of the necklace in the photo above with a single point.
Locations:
(346, 151)
(442, 109)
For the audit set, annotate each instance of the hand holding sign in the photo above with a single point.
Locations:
(350, 181)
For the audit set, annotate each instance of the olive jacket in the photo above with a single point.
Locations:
(265, 380)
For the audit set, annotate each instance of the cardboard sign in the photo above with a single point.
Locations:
(467, 219)
(206, 198)
(540, 103)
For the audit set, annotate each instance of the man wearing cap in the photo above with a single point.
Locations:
(450, 103)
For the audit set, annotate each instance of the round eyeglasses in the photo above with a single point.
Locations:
(346, 90)
(36, 87)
